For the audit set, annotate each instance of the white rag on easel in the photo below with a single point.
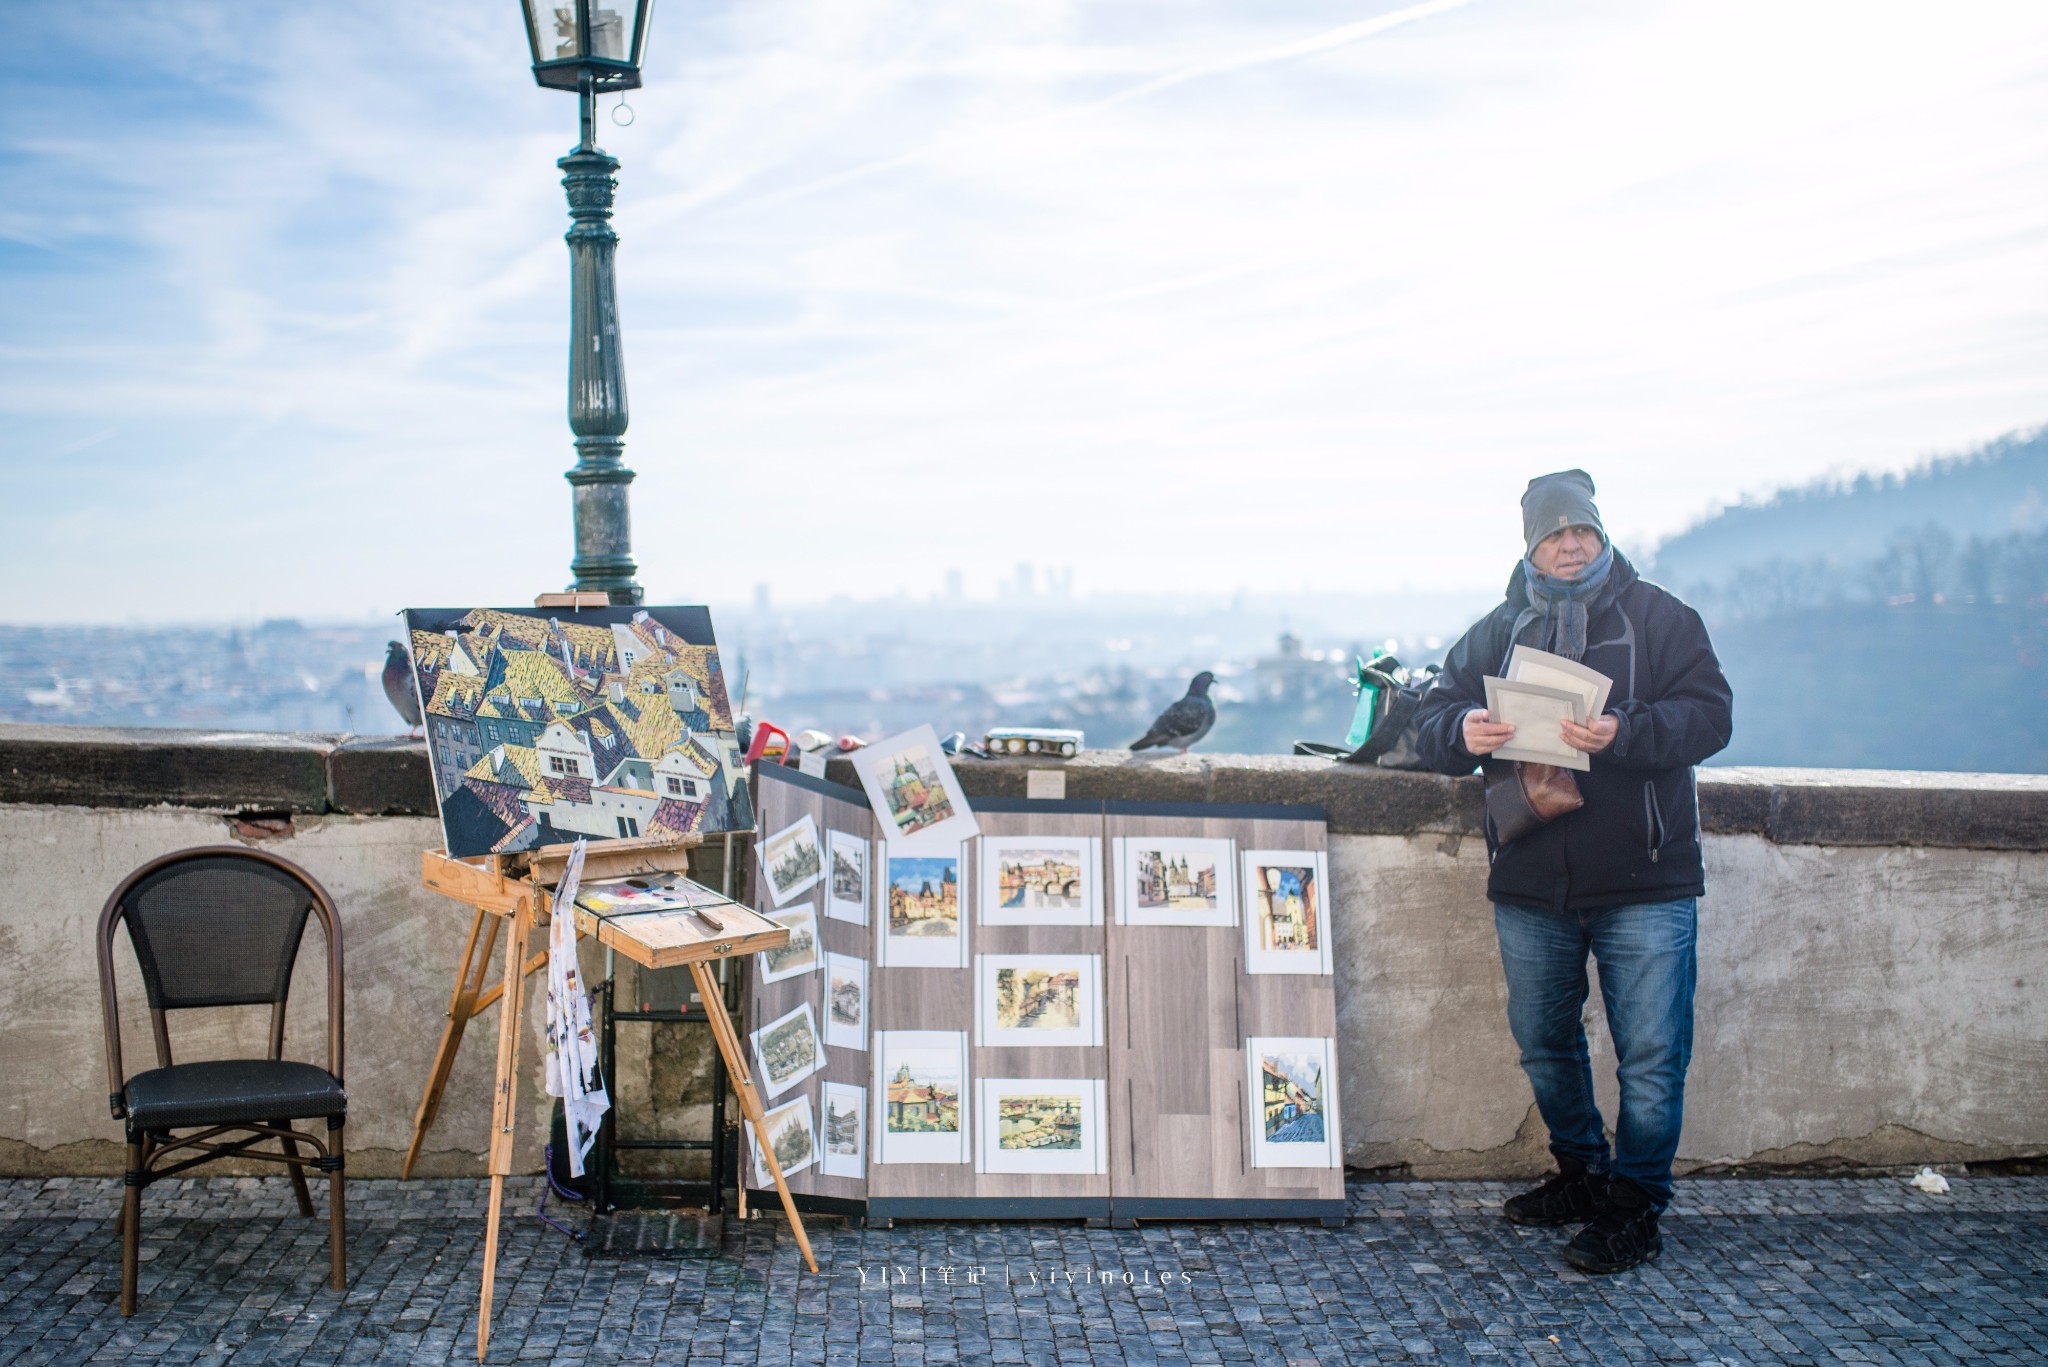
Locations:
(572, 1071)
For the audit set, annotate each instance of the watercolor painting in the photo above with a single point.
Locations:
(1175, 882)
(846, 873)
(792, 1134)
(921, 917)
(787, 1049)
(792, 860)
(1040, 881)
(1043, 1125)
(1038, 999)
(846, 1130)
(920, 1080)
(1287, 926)
(1294, 1102)
(846, 1002)
(914, 792)
(801, 954)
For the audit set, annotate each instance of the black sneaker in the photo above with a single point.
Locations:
(1622, 1235)
(1573, 1196)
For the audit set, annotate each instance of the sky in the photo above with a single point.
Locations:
(1185, 296)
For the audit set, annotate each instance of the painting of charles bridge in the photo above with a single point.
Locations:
(548, 724)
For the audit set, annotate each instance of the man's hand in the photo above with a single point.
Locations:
(1483, 736)
(1591, 739)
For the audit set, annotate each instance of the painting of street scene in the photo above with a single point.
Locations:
(1289, 918)
(1039, 1121)
(1175, 880)
(1038, 999)
(543, 725)
(842, 1124)
(846, 1110)
(924, 1094)
(1039, 880)
(800, 953)
(847, 1003)
(792, 860)
(924, 896)
(1293, 1101)
(792, 1134)
(788, 1049)
(918, 798)
(847, 892)
(913, 791)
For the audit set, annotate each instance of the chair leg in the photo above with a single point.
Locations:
(298, 1172)
(131, 1225)
(337, 1244)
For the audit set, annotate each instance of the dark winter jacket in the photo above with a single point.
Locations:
(1637, 839)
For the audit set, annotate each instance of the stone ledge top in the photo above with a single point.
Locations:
(253, 772)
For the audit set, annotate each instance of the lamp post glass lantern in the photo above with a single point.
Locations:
(590, 47)
(605, 39)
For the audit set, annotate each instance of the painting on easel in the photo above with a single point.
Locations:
(546, 724)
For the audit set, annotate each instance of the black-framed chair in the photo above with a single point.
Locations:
(221, 925)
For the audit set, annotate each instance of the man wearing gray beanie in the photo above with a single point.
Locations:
(1618, 878)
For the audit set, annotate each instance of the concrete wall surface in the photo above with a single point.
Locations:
(1873, 949)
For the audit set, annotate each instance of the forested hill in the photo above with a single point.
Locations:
(1839, 609)
(1992, 493)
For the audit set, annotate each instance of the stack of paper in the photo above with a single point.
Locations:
(1539, 692)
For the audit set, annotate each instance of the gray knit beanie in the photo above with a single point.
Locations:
(1553, 502)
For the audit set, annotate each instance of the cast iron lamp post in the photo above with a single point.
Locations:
(586, 46)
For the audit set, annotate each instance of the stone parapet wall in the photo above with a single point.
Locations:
(1873, 951)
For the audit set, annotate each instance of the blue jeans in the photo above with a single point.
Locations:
(1647, 970)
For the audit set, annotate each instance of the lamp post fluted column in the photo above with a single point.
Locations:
(597, 372)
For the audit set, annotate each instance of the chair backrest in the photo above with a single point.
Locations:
(217, 926)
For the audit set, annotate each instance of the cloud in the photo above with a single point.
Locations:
(1206, 294)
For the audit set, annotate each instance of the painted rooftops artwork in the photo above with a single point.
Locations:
(548, 724)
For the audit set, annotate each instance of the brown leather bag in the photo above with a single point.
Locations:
(1522, 796)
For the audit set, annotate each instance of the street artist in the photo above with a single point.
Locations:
(1619, 877)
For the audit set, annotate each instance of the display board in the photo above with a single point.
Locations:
(1111, 1011)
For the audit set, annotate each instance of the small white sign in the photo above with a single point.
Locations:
(1045, 785)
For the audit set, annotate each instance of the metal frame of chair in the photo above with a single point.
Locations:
(147, 1147)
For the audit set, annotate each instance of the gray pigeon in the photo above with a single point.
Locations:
(1184, 723)
(399, 688)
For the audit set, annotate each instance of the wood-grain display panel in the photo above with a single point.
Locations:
(786, 798)
(1018, 817)
(1179, 1130)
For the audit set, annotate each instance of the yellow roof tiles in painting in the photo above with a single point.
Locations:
(522, 760)
(455, 695)
(537, 674)
(430, 650)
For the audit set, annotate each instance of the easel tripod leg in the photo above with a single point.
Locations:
(504, 1107)
(750, 1102)
(461, 1006)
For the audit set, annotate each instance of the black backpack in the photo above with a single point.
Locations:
(1390, 743)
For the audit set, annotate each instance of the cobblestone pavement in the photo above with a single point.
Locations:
(1754, 1271)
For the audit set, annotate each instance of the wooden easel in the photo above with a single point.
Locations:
(517, 888)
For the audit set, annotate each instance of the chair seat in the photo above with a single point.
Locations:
(232, 1091)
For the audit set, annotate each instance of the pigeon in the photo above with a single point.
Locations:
(1184, 723)
(398, 687)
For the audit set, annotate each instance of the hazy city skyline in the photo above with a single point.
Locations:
(1181, 298)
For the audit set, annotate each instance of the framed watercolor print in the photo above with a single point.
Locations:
(1038, 999)
(920, 1089)
(1040, 880)
(924, 923)
(915, 795)
(1292, 1082)
(1037, 1124)
(1286, 911)
(1175, 881)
